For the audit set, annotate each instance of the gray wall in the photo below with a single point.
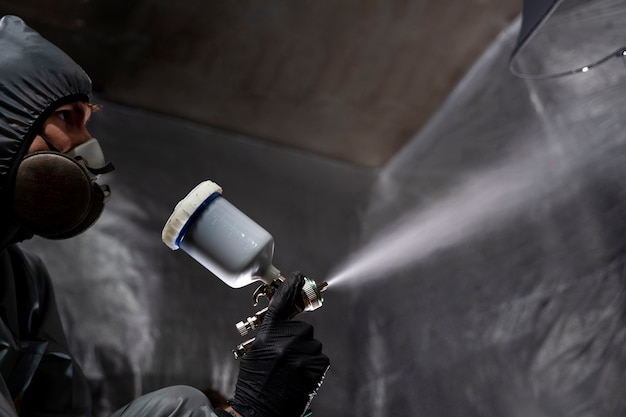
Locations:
(495, 281)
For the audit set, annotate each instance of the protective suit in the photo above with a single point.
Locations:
(35, 77)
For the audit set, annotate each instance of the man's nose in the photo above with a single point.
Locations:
(79, 138)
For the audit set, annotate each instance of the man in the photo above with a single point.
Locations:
(49, 168)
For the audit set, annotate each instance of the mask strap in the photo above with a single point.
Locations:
(48, 142)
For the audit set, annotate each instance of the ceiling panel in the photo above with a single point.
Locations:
(350, 80)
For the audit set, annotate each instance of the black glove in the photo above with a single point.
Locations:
(285, 366)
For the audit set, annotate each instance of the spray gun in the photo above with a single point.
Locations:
(234, 248)
(311, 300)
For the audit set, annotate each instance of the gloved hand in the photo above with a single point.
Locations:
(285, 366)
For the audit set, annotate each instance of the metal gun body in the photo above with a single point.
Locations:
(311, 300)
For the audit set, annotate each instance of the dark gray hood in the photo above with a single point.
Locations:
(35, 77)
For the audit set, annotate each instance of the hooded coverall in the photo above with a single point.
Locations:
(39, 376)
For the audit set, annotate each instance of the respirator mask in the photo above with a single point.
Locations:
(56, 195)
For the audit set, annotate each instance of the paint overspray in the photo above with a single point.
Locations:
(485, 200)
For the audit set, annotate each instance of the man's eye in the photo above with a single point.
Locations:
(64, 114)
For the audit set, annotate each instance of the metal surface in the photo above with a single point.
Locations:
(569, 36)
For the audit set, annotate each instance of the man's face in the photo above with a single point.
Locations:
(57, 196)
(65, 128)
